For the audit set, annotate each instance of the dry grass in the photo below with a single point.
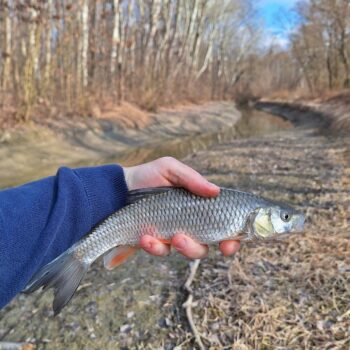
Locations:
(47, 114)
(338, 107)
(133, 112)
(130, 116)
(289, 295)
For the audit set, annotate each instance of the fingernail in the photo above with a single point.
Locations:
(212, 185)
(181, 244)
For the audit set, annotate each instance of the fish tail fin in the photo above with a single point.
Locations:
(63, 274)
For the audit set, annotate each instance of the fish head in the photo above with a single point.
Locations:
(276, 222)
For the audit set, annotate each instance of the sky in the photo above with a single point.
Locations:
(278, 19)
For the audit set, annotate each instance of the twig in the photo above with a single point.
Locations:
(188, 304)
(193, 269)
(16, 346)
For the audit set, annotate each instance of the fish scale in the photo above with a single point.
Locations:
(208, 220)
(163, 212)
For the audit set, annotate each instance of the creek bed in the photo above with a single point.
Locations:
(288, 295)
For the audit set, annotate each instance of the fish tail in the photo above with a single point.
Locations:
(63, 274)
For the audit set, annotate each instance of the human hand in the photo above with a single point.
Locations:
(168, 171)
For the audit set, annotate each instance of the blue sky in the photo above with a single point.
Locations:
(278, 19)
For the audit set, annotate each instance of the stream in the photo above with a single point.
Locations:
(176, 133)
(252, 123)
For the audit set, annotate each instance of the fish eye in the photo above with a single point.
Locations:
(285, 216)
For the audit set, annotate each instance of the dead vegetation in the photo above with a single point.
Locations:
(148, 53)
(337, 108)
(128, 115)
(288, 295)
(293, 294)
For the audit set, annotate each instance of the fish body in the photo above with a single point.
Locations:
(163, 212)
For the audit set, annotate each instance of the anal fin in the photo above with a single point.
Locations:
(164, 240)
(117, 256)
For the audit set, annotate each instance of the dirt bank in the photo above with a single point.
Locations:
(34, 151)
(333, 111)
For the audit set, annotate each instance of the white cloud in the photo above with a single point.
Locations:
(276, 40)
(288, 3)
(280, 22)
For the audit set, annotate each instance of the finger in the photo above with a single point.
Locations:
(182, 175)
(188, 247)
(229, 247)
(153, 246)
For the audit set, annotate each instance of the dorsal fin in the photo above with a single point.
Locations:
(136, 195)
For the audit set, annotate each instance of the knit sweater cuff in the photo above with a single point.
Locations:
(105, 188)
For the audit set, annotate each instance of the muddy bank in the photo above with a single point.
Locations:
(36, 152)
(332, 113)
(287, 295)
(298, 114)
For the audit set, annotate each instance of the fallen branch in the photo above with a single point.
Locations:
(16, 346)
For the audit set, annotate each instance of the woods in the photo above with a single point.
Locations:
(71, 54)
(322, 44)
(148, 52)
(317, 58)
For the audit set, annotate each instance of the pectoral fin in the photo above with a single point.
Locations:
(117, 256)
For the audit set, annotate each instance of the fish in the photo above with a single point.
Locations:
(162, 212)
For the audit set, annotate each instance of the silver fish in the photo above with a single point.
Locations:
(162, 212)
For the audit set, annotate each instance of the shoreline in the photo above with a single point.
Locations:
(38, 151)
(332, 114)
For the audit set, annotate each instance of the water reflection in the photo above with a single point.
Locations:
(252, 123)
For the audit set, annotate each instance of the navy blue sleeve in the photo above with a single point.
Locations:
(40, 220)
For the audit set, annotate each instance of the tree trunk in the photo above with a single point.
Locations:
(115, 38)
(48, 39)
(92, 37)
(7, 54)
(85, 42)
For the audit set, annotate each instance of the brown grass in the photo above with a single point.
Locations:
(45, 113)
(338, 107)
(127, 114)
(288, 295)
(133, 112)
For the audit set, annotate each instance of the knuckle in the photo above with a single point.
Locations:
(167, 160)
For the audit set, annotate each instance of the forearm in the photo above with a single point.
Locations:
(40, 220)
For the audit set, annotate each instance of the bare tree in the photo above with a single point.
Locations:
(85, 41)
(148, 52)
(7, 50)
(115, 36)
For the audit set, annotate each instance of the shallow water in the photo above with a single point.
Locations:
(252, 123)
(38, 153)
